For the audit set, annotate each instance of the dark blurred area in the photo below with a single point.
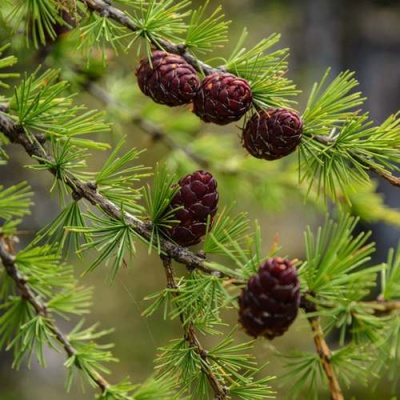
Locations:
(358, 35)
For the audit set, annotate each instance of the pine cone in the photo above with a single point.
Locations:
(273, 133)
(199, 198)
(222, 98)
(168, 79)
(270, 301)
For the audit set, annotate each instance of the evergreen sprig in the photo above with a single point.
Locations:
(113, 239)
(117, 177)
(390, 277)
(99, 33)
(56, 233)
(330, 105)
(336, 261)
(41, 104)
(340, 145)
(302, 370)
(15, 201)
(158, 197)
(6, 62)
(264, 70)
(38, 19)
(156, 21)
(205, 34)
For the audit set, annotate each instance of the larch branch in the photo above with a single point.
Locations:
(8, 260)
(16, 134)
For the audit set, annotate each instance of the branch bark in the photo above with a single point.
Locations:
(8, 260)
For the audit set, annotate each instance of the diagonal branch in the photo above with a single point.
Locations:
(105, 9)
(220, 390)
(16, 134)
(8, 260)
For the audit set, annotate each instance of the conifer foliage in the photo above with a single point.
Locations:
(326, 152)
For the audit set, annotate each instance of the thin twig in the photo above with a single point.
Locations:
(8, 259)
(109, 11)
(88, 191)
(382, 306)
(322, 348)
(393, 180)
(220, 390)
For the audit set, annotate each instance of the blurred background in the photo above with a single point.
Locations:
(363, 36)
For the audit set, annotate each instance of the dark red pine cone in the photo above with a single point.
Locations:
(168, 79)
(269, 303)
(272, 133)
(199, 197)
(222, 98)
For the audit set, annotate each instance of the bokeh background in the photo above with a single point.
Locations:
(358, 35)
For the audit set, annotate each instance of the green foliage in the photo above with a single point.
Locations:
(330, 105)
(231, 363)
(116, 178)
(6, 62)
(370, 206)
(158, 199)
(199, 301)
(31, 339)
(302, 370)
(40, 103)
(15, 201)
(227, 233)
(181, 361)
(336, 261)
(67, 158)
(154, 389)
(265, 71)
(391, 276)
(232, 360)
(204, 34)
(38, 18)
(16, 312)
(57, 233)
(157, 21)
(338, 278)
(350, 361)
(113, 239)
(340, 145)
(99, 33)
(89, 357)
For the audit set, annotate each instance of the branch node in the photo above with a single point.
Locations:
(76, 195)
